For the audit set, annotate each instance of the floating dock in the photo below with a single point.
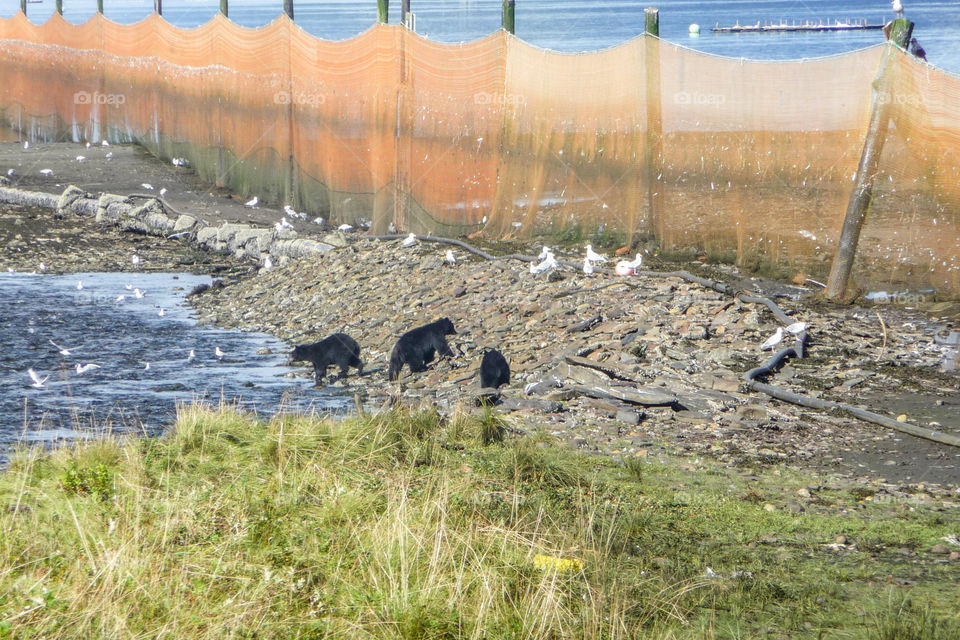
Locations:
(779, 27)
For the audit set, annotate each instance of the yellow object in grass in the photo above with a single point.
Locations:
(543, 562)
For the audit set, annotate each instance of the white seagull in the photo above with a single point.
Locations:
(587, 267)
(161, 313)
(410, 240)
(79, 285)
(897, 7)
(146, 366)
(163, 191)
(109, 155)
(37, 382)
(593, 256)
(146, 185)
(64, 351)
(217, 352)
(83, 368)
(773, 340)
(135, 259)
(267, 263)
(138, 294)
(46, 172)
(81, 158)
(544, 253)
(251, 202)
(120, 298)
(318, 220)
(345, 227)
(550, 262)
(26, 144)
(191, 355)
(105, 143)
(450, 258)
(283, 224)
(797, 327)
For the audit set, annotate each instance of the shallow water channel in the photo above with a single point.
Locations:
(123, 335)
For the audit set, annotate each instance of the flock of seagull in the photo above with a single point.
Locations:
(80, 368)
(549, 261)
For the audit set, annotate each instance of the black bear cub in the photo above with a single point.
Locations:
(494, 370)
(339, 349)
(417, 346)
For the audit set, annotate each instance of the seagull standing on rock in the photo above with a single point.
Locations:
(252, 202)
(773, 340)
(410, 240)
(283, 224)
(549, 262)
(587, 267)
(450, 258)
(797, 328)
(593, 256)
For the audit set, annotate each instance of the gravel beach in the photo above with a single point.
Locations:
(668, 354)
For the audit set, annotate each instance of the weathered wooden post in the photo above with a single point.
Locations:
(288, 8)
(383, 11)
(653, 149)
(23, 7)
(405, 13)
(862, 193)
(60, 7)
(224, 9)
(508, 21)
(100, 7)
(158, 7)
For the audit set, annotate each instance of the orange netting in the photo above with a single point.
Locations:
(749, 160)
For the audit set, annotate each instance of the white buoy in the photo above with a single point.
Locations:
(694, 29)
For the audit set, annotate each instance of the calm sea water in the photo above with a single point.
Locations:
(122, 337)
(566, 25)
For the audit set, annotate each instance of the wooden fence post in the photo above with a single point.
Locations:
(862, 193)
(224, 9)
(508, 21)
(383, 11)
(60, 7)
(288, 8)
(100, 7)
(23, 7)
(653, 147)
(157, 6)
(405, 13)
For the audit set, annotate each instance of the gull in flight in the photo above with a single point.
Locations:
(450, 258)
(37, 382)
(773, 340)
(593, 256)
(83, 368)
(410, 240)
(587, 267)
(252, 202)
(64, 351)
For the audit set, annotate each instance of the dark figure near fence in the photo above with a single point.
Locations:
(917, 50)
(494, 370)
(417, 347)
(339, 349)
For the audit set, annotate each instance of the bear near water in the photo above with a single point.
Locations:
(339, 349)
(494, 370)
(418, 346)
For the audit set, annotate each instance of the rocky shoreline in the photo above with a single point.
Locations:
(668, 354)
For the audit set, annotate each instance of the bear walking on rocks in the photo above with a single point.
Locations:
(417, 347)
(494, 370)
(339, 349)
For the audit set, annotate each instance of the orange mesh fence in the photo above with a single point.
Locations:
(748, 160)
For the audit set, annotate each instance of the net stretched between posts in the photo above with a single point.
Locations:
(750, 161)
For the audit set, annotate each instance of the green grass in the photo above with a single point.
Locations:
(407, 524)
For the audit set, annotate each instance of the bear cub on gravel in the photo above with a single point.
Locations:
(494, 370)
(417, 346)
(339, 349)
